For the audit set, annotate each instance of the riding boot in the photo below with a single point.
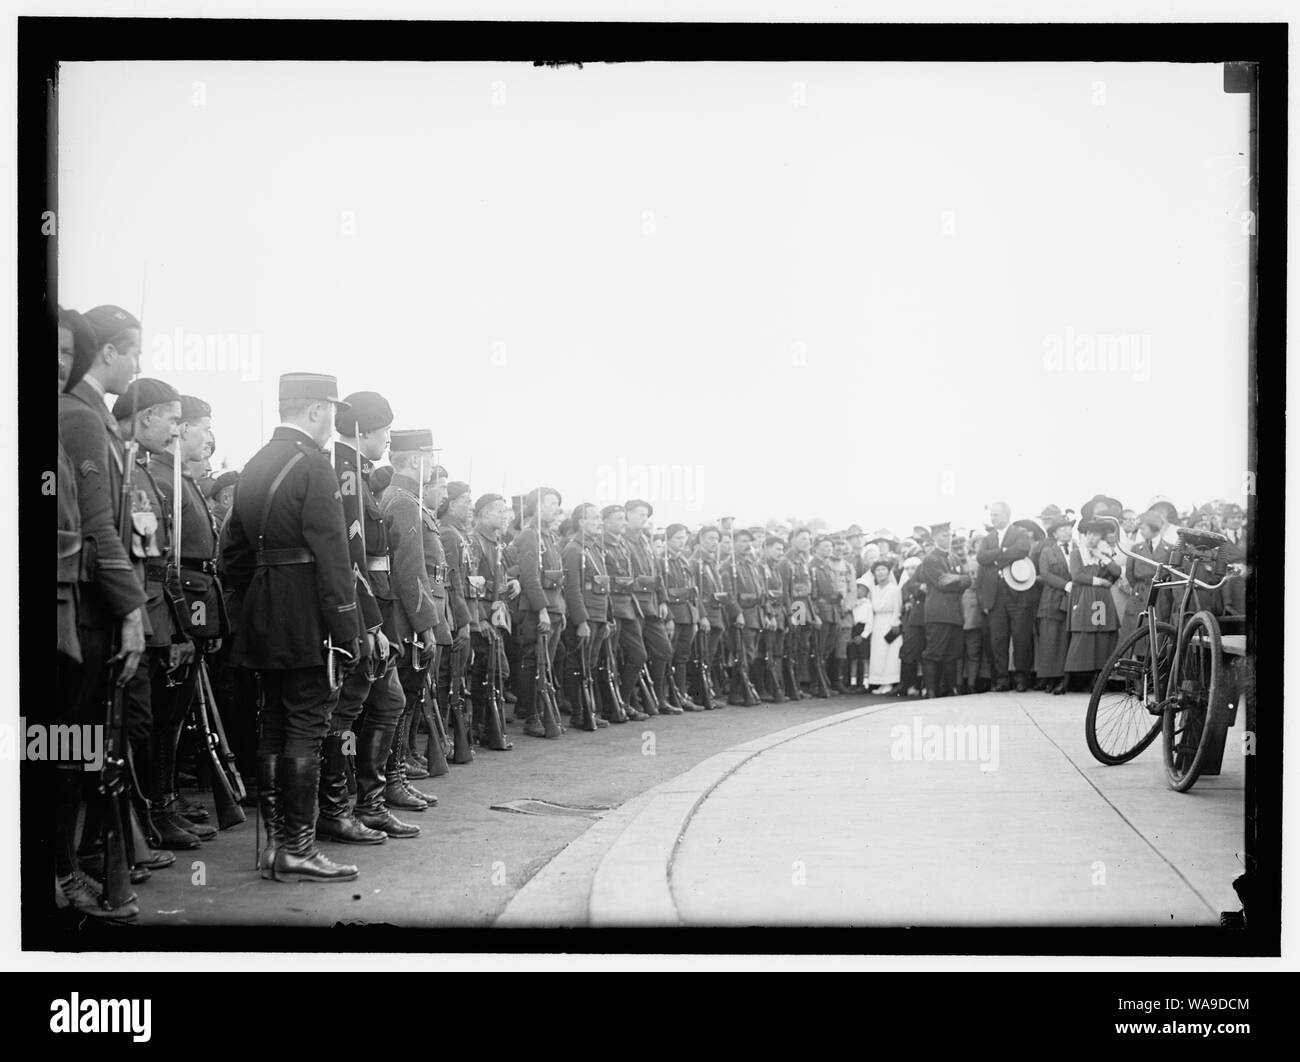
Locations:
(336, 821)
(396, 789)
(679, 687)
(627, 683)
(930, 677)
(373, 753)
(772, 682)
(298, 858)
(271, 809)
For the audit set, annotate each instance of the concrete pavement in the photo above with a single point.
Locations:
(982, 810)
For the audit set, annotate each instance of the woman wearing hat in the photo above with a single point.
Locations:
(884, 665)
(1053, 606)
(1093, 622)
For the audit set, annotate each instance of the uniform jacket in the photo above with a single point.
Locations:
(412, 607)
(680, 590)
(586, 594)
(110, 586)
(746, 589)
(1015, 546)
(826, 590)
(648, 580)
(543, 584)
(366, 533)
(490, 565)
(798, 585)
(914, 593)
(618, 562)
(286, 611)
(205, 609)
(460, 562)
(1054, 572)
(705, 570)
(942, 594)
(68, 566)
(164, 608)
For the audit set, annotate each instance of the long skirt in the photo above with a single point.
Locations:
(884, 661)
(1050, 649)
(1089, 650)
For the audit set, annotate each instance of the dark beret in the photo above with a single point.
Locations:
(456, 489)
(219, 483)
(486, 500)
(774, 540)
(706, 529)
(107, 322)
(672, 529)
(634, 503)
(744, 532)
(369, 411)
(84, 346)
(141, 393)
(610, 510)
(194, 408)
(534, 496)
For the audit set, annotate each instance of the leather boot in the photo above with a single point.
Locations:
(627, 686)
(772, 682)
(679, 687)
(793, 690)
(173, 831)
(336, 821)
(298, 858)
(373, 753)
(271, 809)
(398, 792)
(930, 676)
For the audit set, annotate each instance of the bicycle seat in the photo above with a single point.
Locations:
(1200, 539)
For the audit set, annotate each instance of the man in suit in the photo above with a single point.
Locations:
(292, 578)
(945, 580)
(1234, 590)
(1011, 619)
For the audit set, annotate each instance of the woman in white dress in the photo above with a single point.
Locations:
(887, 615)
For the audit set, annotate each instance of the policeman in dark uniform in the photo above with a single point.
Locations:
(625, 610)
(945, 581)
(371, 691)
(292, 577)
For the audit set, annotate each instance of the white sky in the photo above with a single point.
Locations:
(843, 309)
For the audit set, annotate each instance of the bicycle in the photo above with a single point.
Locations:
(1167, 677)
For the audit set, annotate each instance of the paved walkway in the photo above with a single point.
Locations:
(851, 820)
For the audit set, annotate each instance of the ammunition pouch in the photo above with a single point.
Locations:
(623, 584)
(681, 593)
(69, 563)
(749, 600)
(721, 597)
(645, 583)
(552, 580)
(599, 584)
(800, 589)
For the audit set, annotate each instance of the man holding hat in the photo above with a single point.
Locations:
(945, 580)
(293, 580)
(1005, 598)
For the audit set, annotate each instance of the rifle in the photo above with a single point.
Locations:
(229, 813)
(708, 697)
(227, 756)
(438, 747)
(549, 712)
(817, 666)
(586, 707)
(616, 710)
(458, 708)
(740, 662)
(494, 721)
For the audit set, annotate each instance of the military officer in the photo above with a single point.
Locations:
(292, 576)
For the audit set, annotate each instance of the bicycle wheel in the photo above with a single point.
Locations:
(1195, 710)
(1119, 724)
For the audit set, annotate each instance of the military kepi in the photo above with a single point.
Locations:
(411, 439)
(370, 411)
(313, 386)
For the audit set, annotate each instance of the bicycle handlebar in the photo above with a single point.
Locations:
(1158, 565)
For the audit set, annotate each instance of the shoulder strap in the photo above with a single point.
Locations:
(270, 495)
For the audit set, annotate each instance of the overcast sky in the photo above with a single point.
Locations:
(865, 292)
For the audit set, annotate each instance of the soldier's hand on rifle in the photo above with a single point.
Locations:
(704, 623)
(543, 622)
(381, 644)
(816, 620)
(584, 631)
(214, 645)
(512, 589)
(179, 654)
(462, 637)
(427, 641)
(132, 640)
(740, 620)
(663, 613)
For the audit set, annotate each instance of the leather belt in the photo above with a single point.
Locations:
(378, 564)
(277, 558)
(209, 567)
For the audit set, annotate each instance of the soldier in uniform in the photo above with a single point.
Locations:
(586, 598)
(704, 569)
(649, 593)
(744, 610)
(805, 622)
(149, 411)
(683, 610)
(776, 621)
(292, 576)
(453, 520)
(98, 589)
(826, 595)
(541, 607)
(493, 590)
(221, 492)
(625, 610)
(945, 579)
(370, 700)
(417, 602)
(202, 608)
